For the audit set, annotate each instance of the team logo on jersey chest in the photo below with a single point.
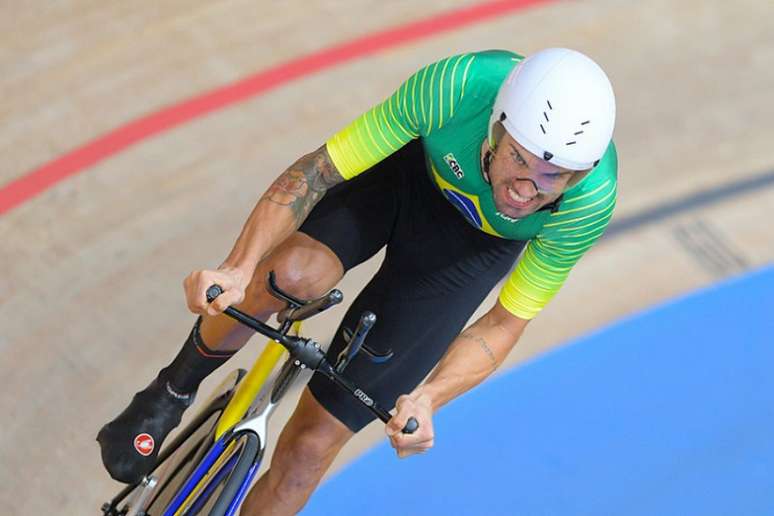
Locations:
(454, 165)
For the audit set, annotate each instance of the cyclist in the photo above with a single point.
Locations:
(474, 159)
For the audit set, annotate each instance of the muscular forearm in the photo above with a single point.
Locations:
(474, 355)
(283, 208)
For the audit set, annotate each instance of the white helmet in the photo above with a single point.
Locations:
(559, 105)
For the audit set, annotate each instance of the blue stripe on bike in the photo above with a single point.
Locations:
(234, 505)
(212, 484)
(196, 477)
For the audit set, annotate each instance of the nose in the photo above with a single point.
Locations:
(525, 187)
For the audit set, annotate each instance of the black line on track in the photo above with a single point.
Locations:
(710, 248)
(688, 203)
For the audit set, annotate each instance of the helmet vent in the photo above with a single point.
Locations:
(550, 108)
(578, 132)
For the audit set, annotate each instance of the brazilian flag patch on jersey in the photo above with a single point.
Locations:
(465, 206)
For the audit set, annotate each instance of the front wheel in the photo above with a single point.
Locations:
(222, 491)
(227, 502)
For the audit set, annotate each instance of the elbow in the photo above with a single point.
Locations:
(512, 325)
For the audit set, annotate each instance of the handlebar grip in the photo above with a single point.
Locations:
(364, 325)
(334, 297)
(213, 292)
(411, 426)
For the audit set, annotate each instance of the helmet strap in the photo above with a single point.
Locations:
(497, 133)
(553, 206)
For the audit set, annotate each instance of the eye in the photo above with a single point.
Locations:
(516, 155)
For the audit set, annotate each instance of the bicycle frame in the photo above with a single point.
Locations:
(239, 463)
(219, 456)
(234, 412)
(251, 385)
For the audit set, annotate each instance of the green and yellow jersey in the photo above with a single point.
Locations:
(447, 105)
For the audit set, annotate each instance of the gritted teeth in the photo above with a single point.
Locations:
(516, 197)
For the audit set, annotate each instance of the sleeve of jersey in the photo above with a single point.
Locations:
(551, 255)
(421, 104)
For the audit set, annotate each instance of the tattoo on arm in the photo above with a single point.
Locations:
(302, 185)
(483, 345)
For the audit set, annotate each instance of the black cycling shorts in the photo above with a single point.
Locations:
(437, 271)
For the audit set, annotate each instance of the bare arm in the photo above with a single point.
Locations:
(283, 208)
(278, 213)
(474, 355)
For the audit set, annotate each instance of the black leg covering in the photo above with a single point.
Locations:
(193, 363)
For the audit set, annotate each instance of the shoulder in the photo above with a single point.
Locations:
(495, 61)
(601, 182)
(586, 208)
(487, 70)
(478, 72)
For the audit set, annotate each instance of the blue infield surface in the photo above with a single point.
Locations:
(670, 412)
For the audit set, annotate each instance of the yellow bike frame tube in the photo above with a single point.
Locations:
(251, 385)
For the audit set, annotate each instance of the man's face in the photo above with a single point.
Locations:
(522, 183)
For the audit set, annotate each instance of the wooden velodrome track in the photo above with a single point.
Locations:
(91, 302)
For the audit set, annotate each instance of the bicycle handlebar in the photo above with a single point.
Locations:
(308, 352)
(307, 310)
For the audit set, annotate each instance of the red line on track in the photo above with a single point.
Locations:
(40, 179)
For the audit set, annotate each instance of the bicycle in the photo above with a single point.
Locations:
(208, 467)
